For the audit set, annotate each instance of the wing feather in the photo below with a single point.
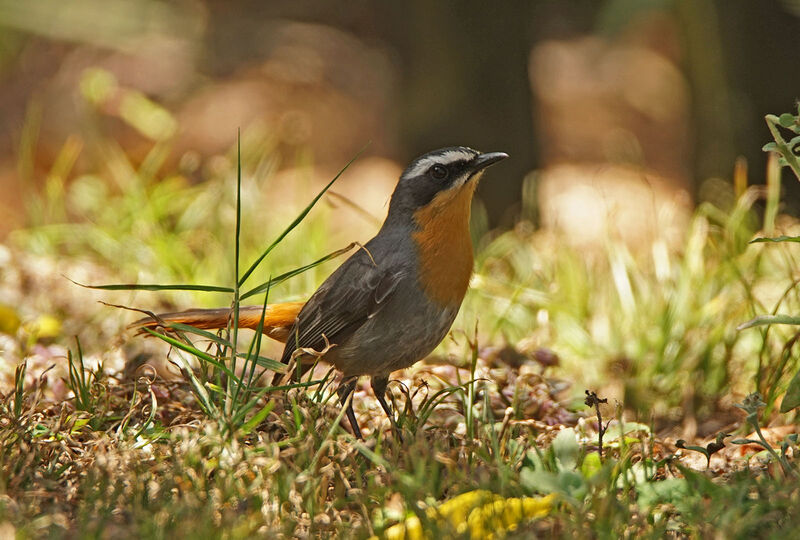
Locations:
(346, 300)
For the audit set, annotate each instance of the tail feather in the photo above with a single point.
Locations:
(278, 319)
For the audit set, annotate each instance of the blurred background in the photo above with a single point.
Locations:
(119, 121)
(645, 98)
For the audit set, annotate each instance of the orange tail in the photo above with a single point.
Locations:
(278, 319)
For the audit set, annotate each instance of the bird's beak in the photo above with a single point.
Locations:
(482, 161)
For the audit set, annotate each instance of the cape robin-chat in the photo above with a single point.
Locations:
(391, 303)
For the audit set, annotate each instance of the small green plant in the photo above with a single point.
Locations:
(751, 405)
(80, 380)
(708, 450)
(788, 151)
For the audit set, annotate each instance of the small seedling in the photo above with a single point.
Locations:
(79, 382)
(709, 450)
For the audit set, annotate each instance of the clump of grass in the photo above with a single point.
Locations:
(226, 388)
(662, 322)
(145, 457)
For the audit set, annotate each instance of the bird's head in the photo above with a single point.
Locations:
(439, 176)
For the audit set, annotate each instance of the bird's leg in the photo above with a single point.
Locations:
(345, 390)
(379, 388)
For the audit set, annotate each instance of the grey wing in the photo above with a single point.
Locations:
(346, 300)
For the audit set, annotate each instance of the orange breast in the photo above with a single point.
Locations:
(444, 246)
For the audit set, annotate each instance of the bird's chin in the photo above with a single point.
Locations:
(473, 180)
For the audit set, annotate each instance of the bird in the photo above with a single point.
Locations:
(392, 302)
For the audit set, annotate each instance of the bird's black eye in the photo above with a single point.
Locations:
(439, 172)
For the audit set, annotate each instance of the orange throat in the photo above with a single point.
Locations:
(444, 245)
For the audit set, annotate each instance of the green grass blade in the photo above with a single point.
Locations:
(199, 391)
(291, 386)
(265, 362)
(233, 392)
(195, 352)
(240, 414)
(791, 399)
(297, 220)
(238, 201)
(155, 287)
(782, 238)
(219, 340)
(762, 320)
(238, 417)
(287, 275)
(257, 418)
(255, 344)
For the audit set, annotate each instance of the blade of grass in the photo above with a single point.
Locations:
(251, 358)
(203, 333)
(257, 418)
(240, 414)
(234, 384)
(255, 343)
(198, 389)
(297, 271)
(153, 287)
(782, 238)
(194, 352)
(298, 219)
(762, 320)
(265, 362)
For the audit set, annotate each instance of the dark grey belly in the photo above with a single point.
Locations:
(406, 330)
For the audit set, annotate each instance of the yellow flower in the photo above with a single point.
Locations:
(481, 513)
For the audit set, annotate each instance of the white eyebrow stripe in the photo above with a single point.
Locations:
(446, 157)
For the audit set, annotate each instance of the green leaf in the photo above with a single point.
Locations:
(539, 481)
(769, 147)
(204, 333)
(257, 418)
(792, 398)
(566, 449)
(763, 320)
(782, 238)
(264, 362)
(572, 484)
(696, 449)
(745, 441)
(215, 388)
(79, 423)
(670, 491)
(787, 120)
(591, 464)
